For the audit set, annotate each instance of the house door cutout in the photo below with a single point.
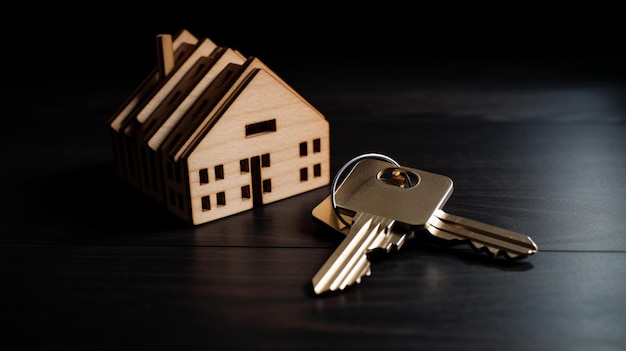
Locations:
(257, 188)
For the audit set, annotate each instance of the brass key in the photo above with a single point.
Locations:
(387, 204)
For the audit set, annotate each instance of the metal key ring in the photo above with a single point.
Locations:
(333, 188)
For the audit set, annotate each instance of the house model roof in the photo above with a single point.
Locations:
(211, 132)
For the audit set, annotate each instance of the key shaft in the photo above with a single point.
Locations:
(481, 236)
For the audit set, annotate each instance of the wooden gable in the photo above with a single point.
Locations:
(263, 119)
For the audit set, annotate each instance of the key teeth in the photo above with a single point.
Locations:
(358, 280)
(482, 238)
(495, 252)
(483, 249)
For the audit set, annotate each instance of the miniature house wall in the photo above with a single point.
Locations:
(211, 133)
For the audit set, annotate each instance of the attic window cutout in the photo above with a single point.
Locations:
(245, 192)
(219, 172)
(259, 128)
(317, 145)
(221, 199)
(204, 176)
(304, 174)
(206, 203)
(317, 170)
(244, 166)
(265, 160)
(303, 148)
(267, 186)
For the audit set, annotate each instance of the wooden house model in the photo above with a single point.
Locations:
(211, 133)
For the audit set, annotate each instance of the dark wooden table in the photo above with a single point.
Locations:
(88, 262)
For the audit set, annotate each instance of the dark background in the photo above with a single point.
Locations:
(108, 43)
(521, 105)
